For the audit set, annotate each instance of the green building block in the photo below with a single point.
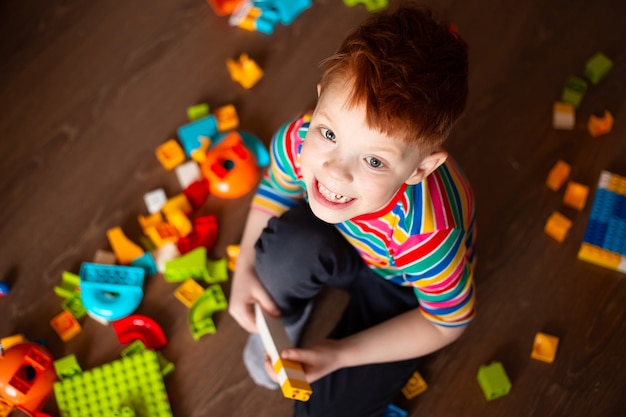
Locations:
(597, 68)
(493, 380)
(574, 91)
(69, 285)
(75, 306)
(134, 382)
(67, 367)
(200, 313)
(197, 111)
(218, 271)
(137, 346)
(370, 5)
(193, 264)
(123, 412)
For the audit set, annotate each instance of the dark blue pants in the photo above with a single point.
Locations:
(297, 254)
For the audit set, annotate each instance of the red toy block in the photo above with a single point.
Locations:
(224, 7)
(197, 193)
(204, 234)
(139, 327)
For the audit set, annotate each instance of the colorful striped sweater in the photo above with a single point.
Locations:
(423, 238)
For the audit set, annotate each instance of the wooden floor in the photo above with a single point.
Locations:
(89, 89)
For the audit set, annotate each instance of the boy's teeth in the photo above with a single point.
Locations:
(330, 196)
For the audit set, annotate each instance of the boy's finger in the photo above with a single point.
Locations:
(267, 304)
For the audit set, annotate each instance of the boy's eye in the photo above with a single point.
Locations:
(374, 162)
(328, 134)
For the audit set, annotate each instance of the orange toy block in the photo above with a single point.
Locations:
(66, 325)
(576, 195)
(558, 175)
(544, 347)
(557, 226)
(188, 292)
(232, 252)
(149, 221)
(224, 7)
(227, 118)
(415, 386)
(125, 250)
(161, 234)
(180, 221)
(170, 154)
(598, 126)
(244, 71)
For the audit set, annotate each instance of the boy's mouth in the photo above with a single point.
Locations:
(331, 196)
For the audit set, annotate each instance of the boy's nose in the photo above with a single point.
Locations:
(338, 168)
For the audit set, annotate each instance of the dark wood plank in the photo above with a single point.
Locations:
(89, 89)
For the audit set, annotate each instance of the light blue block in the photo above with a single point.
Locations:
(189, 135)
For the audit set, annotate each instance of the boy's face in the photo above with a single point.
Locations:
(350, 169)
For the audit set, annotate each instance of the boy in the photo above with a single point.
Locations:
(360, 196)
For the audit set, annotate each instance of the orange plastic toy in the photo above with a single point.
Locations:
(230, 168)
(27, 376)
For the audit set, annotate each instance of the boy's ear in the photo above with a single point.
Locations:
(319, 89)
(427, 166)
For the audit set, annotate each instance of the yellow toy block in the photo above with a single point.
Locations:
(188, 292)
(199, 154)
(178, 202)
(244, 71)
(161, 234)
(563, 116)
(415, 386)
(544, 347)
(125, 250)
(232, 252)
(601, 257)
(558, 175)
(180, 221)
(65, 325)
(149, 221)
(598, 126)
(6, 408)
(8, 341)
(576, 195)
(557, 226)
(170, 154)
(227, 118)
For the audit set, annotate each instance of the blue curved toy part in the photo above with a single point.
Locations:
(253, 143)
(190, 134)
(111, 292)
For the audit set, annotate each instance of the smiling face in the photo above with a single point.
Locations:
(350, 169)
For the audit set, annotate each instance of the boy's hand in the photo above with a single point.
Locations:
(245, 291)
(318, 360)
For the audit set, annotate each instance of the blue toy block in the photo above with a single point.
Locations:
(147, 262)
(395, 411)
(190, 134)
(4, 289)
(111, 292)
(287, 10)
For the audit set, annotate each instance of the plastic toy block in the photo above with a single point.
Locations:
(190, 265)
(291, 377)
(8, 341)
(140, 327)
(218, 270)
(227, 118)
(576, 195)
(6, 408)
(558, 175)
(199, 154)
(190, 135)
(493, 380)
(288, 10)
(232, 252)
(65, 325)
(544, 347)
(161, 234)
(136, 346)
(563, 116)
(598, 126)
(154, 200)
(180, 222)
(244, 71)
(123, 412)
(165, 253)
(224, 7)
(395, 411)
(604, 243)
(197, 111)
(557, 226)
(574, 91)
(597, 68)
(170, 154)
(147, 262)
(370, 5)
(187, 173)
(125, 250)
(251, 142)
(69, 285)
(134, 381)
(178, 202)
(26, 378)
(415, 386)
(67, 367)
(204, 234)
(104, 257)
(111, 292)
(188, 292)
(4, 289)
(75, 306)
(40, 414)
(197, 193)
(252, 18)
(210, 301)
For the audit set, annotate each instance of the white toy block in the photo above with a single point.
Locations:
(188, 173)
(155, 200)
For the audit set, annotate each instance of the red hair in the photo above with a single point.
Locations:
(410, 72)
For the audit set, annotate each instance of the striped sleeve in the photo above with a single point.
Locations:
(280, 188)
